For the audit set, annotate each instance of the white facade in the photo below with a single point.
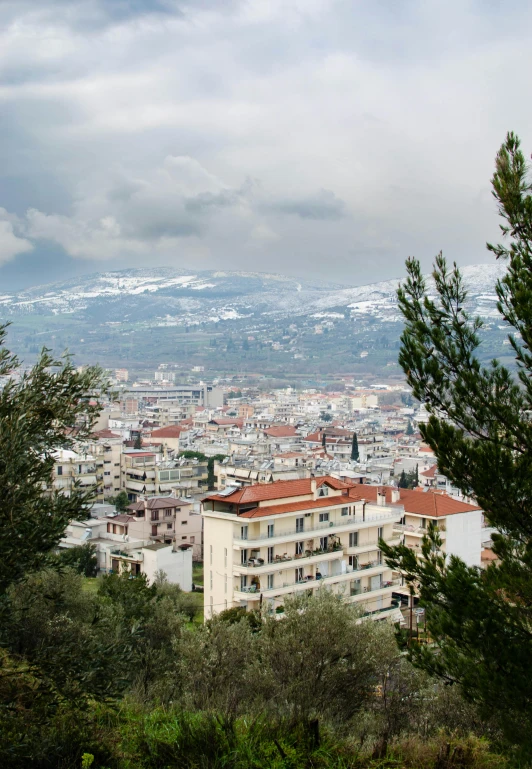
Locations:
(325, 543)
(464, 536)
(176, 564)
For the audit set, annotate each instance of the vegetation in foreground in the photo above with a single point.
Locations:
(119, 677)
(481, 433)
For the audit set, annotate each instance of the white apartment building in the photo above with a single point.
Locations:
(78, 469)
(267, 541)
(460, 524)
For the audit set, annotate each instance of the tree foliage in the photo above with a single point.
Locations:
(481, 433)
(41, 410)
(355, 454)
(82, 558)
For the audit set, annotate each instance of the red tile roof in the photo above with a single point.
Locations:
(172, 431)
(122, 518)
(277, 490)
(430, 473)
(106, 434)
(428, 504)
(294, 507)
(281, 431)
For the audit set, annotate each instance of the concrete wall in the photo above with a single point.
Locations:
(464, 536)
(176, 564)
(218, 564)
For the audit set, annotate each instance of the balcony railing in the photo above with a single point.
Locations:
(308, 578)
(253, 590)
(319, 527)
(259, 562)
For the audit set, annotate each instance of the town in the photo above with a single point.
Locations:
(271, 492)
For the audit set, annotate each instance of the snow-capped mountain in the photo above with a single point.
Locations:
(211, 296)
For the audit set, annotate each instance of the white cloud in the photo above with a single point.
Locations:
(371, 126)
(10, 243)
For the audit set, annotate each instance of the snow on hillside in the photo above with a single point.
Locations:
(228, 295)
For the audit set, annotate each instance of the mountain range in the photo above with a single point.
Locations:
(211, 296)
(224, 322)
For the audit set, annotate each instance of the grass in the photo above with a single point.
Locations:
(90, 585)
(197, 573)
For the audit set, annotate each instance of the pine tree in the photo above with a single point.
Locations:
(481, 434)
(138, 442)
(355, 454)
(403, 483)
(409, 428)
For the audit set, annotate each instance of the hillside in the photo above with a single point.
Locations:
(270, 319)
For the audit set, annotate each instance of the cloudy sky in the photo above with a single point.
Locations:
(319, 138)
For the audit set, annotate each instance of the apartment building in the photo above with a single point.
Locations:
(460, 524)
(146, 473)
(78, 469)
(266, 541)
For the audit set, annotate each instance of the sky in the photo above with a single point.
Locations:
(325, 139)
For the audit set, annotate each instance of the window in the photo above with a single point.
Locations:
(225, 556)
(323, 491)
(270, 581)
(168, 512)
(107, 473)
(345, 511)
(353, 562)
(300, 524)
(211, 579)
(379, 557)
(184, 537)
(184, 523)
(270, 529)
(225, 583)
(168, 525)
(154, 531)
(243, 532)
(380, 532)
(109, 528)
(155, 515)
(243, 557)
(270, 555)
(225, 604)
(192, 540)
(243, 581)
(299, 548)
(324, 543)
(353, 539)
(211, 555)
(299, 574)
(355, 587)
(60, 470)
(324, 517)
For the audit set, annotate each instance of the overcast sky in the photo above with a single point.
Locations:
(321, 138)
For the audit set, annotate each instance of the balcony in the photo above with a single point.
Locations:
(254, 565)
(346, 523)
(117, 553)
(163, 534)
(373, 544)
(247, 592)
(310, 581)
